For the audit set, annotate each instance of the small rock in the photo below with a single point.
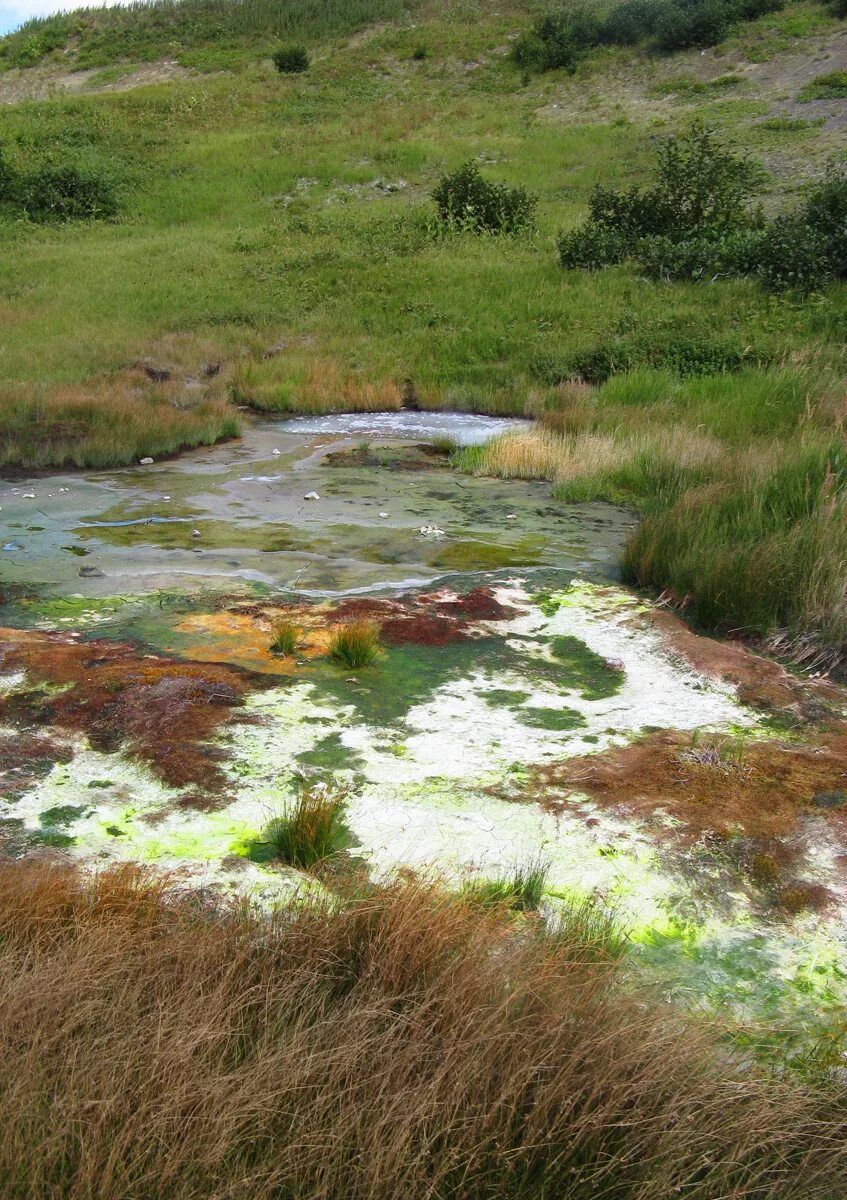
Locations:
(156, 374)
(91, 573)
(311, 496)
(196, 533)
(432, 531)
(511, 517)
(28, 496)
(12, 546)
(145, 462)
(276, 453)
(383, 515)
(166, 497)
(351, 679)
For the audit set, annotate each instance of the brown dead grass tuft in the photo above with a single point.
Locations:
(407, 1043)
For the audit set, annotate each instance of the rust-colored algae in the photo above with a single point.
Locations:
(761, 794)
(163, 710)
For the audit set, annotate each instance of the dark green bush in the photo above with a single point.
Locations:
(700, 258)
(557, 41)
(65, 193)
(697, 223)
(682, 353)
(291, 60)
(466, 200)
(56, 192)
(560, 38)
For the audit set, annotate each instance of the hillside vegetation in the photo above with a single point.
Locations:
(234, 236)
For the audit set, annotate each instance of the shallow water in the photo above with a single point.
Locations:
(236, 515)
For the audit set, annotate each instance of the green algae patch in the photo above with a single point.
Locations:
(64, 814)
(590, 673)
(551, 718)
(475, 555)
(330, 755)
(505, 697)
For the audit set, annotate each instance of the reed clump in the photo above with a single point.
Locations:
(311, 829)
(355, 644)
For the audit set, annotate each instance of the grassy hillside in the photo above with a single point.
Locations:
(274, 244)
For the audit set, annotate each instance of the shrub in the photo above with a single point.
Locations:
(311, 829)
(557, 41)
(355, 644)
(291, 60)
(467, 200)
(285, 637)
(65, 193)
(696, 222)
(832, 86)
(591, 247)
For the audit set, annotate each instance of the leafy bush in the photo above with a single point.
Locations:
(66, 193)
(696, 222)
(682, 353)
(56, 193)
(291, 60)
(467, 200)
(827, 87)
(560, 38)
(557, 40)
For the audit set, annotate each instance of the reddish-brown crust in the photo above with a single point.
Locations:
(762, 795)
(164, 710)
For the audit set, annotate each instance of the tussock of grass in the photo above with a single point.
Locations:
(285, 637)
(355, 644)
(521, 889)
(311, 829)
(402, 1043)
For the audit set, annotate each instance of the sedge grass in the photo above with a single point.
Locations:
(402, 1042)
(285, 638)
(311, 829)
(355, 644)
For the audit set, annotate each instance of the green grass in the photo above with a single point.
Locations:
(832, 86)
(144, 31)
(285, 638)
(521, 889)
(311, 829)
(282, 226)
(355, 644)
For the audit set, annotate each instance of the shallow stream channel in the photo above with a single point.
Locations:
(525, 712)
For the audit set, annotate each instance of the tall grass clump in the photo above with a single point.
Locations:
(311, 829)
(521, 889)
(355, 644)
(761, 551)
(403, 1043)
(285, 638)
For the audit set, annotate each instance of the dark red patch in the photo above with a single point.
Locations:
(479, 605)
(421, 631)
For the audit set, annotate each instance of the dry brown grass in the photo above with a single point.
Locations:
(111, 421)
(406, 1044)
(561, 450)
